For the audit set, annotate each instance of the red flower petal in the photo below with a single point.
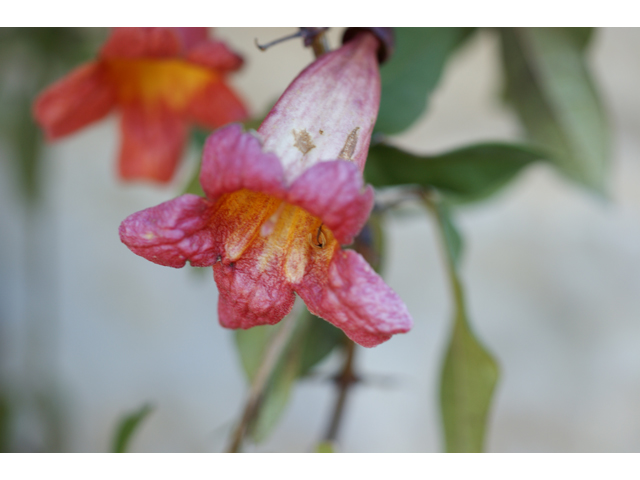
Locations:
(334, 192)
(351, 296)
(75, 101)
(250, 296)
(233, 160)
(214, 54)
(172, 233)
(192, 36)
(328, 111)
(216, 105)
(152, 142)
(136, 42)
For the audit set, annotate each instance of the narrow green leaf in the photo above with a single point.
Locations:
(127, 426)
(467, 174)
(469, 373)
(412, 74)
(549, 84)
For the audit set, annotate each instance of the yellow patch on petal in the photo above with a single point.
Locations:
(243, 213)
(278, 232)
(172, 82)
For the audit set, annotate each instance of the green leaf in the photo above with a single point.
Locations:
(467, 174)
(580, 35)
(550, 87)
(412, 73)
(127, 426)
(469, 373)
(318, 342)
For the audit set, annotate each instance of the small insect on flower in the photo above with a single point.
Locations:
(320, 240)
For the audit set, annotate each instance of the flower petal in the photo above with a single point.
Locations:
(137, 42)
(334, 192)
(249, 294)
(351, 296)
(214, 54)
(152, 142)
(216, 105)
(75, 101)
(233, 160)
(192, 36)
(328, 111)
(173, 232)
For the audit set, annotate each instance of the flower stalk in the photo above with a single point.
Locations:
(276, 348)
(272, 357)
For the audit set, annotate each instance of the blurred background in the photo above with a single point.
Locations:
(90, 332)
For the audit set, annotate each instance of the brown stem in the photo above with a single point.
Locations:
(279, 342)
(320, 44)
(344, 381)
(264, 373)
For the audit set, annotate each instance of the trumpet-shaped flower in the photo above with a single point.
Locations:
(159, 79)
(280, 202)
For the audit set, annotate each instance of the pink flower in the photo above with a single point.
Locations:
(160, 80)
(281, 202)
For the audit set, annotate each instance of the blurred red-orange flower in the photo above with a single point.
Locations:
(160, 80)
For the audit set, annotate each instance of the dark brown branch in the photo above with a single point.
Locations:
(344, 381)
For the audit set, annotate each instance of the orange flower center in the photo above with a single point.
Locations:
(273, 233)
(171, 82)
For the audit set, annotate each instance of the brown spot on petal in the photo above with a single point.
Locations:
(303, 141)
(349, 145)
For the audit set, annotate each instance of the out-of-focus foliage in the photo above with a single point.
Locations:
(5, 425)
(412, 73)
(325, 447)
(469, 372)
(127, 426)
(312, 340)
(467, 174)
(549, 85)
(30, 59)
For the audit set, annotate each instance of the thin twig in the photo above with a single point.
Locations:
(269, 362)
(344, 382)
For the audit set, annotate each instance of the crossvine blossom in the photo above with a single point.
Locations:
(159, 80)
(280, 203)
